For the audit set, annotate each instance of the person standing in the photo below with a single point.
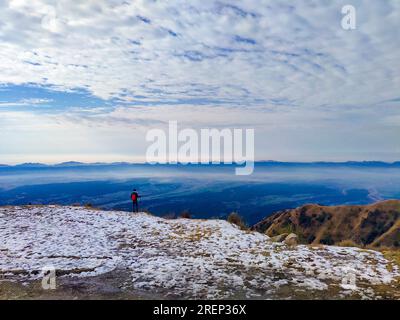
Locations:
(135, 197)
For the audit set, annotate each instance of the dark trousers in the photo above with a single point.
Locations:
(135, 206)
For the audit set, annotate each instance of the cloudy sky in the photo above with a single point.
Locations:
(86, 80)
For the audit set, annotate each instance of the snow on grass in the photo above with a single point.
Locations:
(181, 258)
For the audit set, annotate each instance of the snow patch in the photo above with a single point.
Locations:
(186, 258)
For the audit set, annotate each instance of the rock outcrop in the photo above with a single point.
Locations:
(291, 240)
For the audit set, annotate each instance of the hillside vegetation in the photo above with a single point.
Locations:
(374, 226)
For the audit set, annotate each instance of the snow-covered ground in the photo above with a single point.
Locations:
(179, 258)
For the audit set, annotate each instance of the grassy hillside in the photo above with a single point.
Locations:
(375, 226)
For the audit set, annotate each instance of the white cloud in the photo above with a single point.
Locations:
(286, 68)
(242, 51)
(282, 133)
(25, 102)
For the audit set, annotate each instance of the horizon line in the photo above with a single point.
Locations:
(78, 163)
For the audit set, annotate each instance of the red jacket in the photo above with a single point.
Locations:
(134, 196)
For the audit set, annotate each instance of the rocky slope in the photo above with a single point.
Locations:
(376, 225)
(100, 254)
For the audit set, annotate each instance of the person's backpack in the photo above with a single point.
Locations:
(134, 196)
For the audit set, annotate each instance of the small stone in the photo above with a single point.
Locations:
(279, 238)
(291, 240)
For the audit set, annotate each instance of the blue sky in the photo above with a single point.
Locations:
(86, 81)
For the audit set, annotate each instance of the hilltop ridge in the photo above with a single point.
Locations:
(376, 225)
(120, 254)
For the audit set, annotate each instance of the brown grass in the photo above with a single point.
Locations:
(236, 219)
(348, 243)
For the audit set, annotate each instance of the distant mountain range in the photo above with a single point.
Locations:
(375, 225)
(62, 165)
(258, 163)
